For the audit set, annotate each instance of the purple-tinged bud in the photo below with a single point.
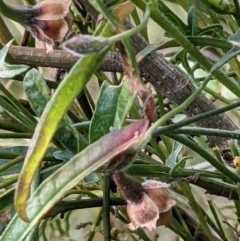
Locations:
(85, 44)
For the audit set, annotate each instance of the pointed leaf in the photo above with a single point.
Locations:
(112, 107)
(69, 88)
(9, 71)
(84, 163)
(193, 21)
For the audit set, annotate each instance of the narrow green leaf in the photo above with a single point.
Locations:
(66, 156)
(222, 223)
(125, 101)
(103, 117)
(54, 111)
(112, 107)
(15, 167)
(9, 71)
(192, 21)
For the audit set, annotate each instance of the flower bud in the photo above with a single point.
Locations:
(85, 44)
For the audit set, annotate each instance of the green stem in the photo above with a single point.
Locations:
(14, 113)
(8, 182)
(179, 37)
(18, 105)
(183, 225)
(179, 108)
(8, 155)
(196, 131)
(237, 12)
(218, 222)
(11, 163)
(169, 128)
(205, 154)
(16, 135)
(106, 208)
(188, 193)
(21, 14)
(82, 192)
(152, 171)
(12, 125)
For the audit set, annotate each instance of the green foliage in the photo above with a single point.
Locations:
(54, 160)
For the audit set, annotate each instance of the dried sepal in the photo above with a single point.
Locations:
(157, 192)
(143, 214)
(52, 9)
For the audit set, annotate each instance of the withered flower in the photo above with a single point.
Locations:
(149, 204)
(48, 21)
(52, 21)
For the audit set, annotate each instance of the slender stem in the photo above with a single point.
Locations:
(14, 113)
(166, 129)
(216, 218)
(183, 225)
(237, 12)
(8, 182)
(18, 105)
(12, 125)
(20, 14)
(187, 191)
(8, 155)
(11, 163)
(207, 131)
(16, 135)
(179, 108)
(82, 192)
(106, 208)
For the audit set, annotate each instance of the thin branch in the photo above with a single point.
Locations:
(59, 59)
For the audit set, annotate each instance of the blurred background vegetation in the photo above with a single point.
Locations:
(206, 193)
